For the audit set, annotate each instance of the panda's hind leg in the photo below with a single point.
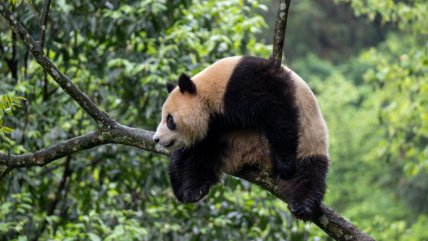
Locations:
(305, 191)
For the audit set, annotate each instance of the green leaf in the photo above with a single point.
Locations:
(6, 130)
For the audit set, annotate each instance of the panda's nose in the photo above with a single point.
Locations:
(156, 139)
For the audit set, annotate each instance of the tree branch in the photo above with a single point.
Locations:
(333, 224)
(103, 119)
(119, 135)
(279, 32)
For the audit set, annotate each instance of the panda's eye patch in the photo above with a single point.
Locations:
(170, 122)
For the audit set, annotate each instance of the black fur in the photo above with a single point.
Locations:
(186, 84)
(194, 170)
(307, 188)
(262, 97)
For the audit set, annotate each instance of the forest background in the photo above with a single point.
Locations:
(367, 62)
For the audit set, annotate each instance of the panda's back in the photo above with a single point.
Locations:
(255, 88)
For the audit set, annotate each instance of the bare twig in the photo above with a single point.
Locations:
(279, 32)
(102, 118)
(43, 21)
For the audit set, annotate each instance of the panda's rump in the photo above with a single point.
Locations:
(313, 132)
(257, 93)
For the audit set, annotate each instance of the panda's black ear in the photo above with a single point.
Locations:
(170, 86)
(186, 84)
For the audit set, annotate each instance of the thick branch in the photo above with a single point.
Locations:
(84, 101)
(279, 32)
(334, 225)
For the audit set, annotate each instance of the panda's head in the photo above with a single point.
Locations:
(184, 116)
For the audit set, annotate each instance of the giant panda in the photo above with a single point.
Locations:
(231, 112)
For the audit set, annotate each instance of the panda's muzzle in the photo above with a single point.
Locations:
(163, 144)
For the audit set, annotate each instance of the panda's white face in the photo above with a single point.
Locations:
(168, 136)
(184, 121)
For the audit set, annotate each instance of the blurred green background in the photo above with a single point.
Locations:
(367, 61)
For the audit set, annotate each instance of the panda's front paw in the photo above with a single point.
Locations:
(192, 194)
(306, 210)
